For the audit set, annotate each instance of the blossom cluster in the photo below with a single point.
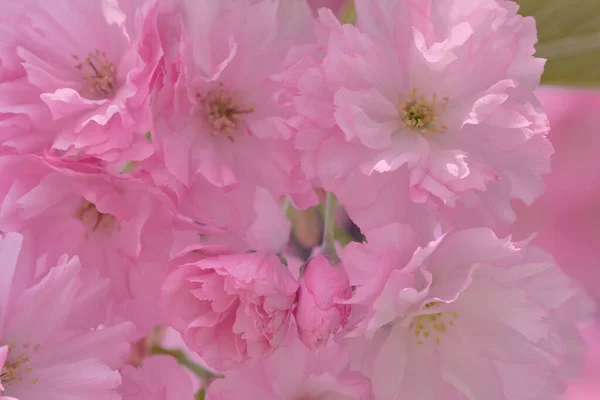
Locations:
(151, 152)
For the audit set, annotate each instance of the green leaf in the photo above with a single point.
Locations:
(569, 37)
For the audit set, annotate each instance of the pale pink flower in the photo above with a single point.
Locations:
(318, 312)
(436, 95)
(79, 61)
(47, 347)
(221, 112)
(469, 316)
(119, 227)
(158, 378)
(229, 307)
(294, 372)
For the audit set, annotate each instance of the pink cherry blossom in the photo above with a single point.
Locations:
(158, 378)
(221, 112)
(229, 307)
(468, 316)
(83, 80)
(438, 94)
(294, 372)
(119, 227)
(318, 313)
(46, 349)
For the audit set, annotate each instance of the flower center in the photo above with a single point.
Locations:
(421, 114)
(17, 364)
(222, 111)
(95, 221)
(432, 325)
(99, 76)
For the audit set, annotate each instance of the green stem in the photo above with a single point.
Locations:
(201, 394)
(328, 246)
(184, 361)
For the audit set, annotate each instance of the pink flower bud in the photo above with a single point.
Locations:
(319, 312)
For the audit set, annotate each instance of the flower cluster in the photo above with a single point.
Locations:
(156, 161)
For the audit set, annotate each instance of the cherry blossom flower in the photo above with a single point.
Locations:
(46, 349)
(468, 316)
(221, 112)
(438, 94)
(155, 156)
(229, 307)
(82, 81)
(119, 227)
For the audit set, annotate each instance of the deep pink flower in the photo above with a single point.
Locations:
(435, 95)
(79, 61)
(468, 316)
(229, 307)
(319, 313)
(295, 372)
(48, 348)
(221, 111)
(119, 227)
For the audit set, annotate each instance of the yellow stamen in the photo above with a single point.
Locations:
(421, 114)
(99, 76)
(424, 324)
(223, 112)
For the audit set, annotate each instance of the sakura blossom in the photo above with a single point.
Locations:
(469, 315)
(229, 307)
(115, 225)
(221, 112)
(439, 94)
(81, 79)
(297, 199)
(47, 349)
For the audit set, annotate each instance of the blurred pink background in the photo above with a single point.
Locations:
(567, 216)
